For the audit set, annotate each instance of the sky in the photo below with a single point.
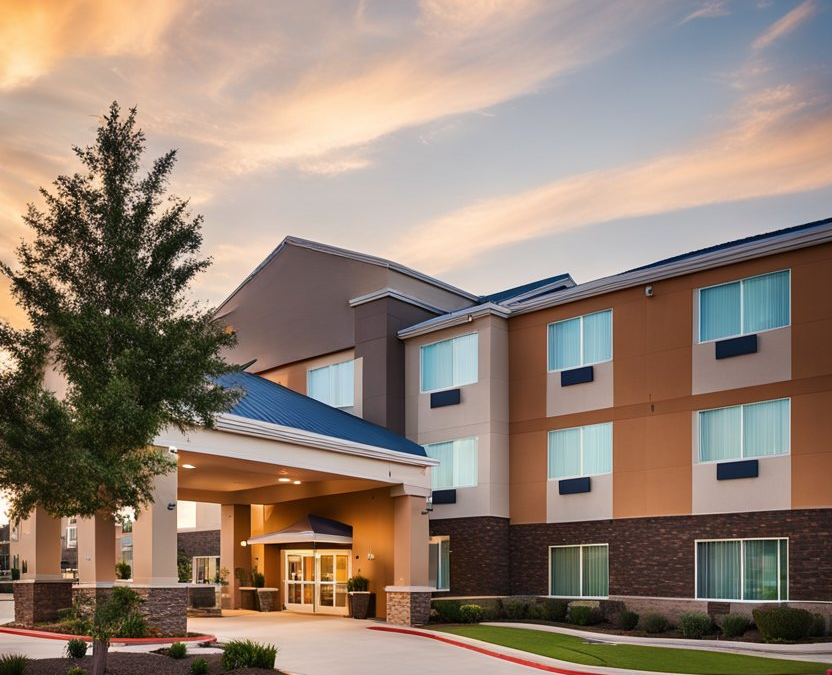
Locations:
(488, 143)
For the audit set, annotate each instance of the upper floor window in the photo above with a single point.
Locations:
(579, 571)
(742, 569)
(581, 341)
(580, 451)
(742, 431)
(743, 307)
(458, 463)
(450, 363)
(333, 385)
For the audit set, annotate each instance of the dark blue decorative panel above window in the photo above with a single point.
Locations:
(576, 376)
(444, 497)
(747, 344)
(439, 399)
(747, 468)
(573, 486)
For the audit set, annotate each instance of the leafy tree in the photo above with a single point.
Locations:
(104, 286)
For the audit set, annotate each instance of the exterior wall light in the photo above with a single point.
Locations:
(284, 480)
(243, 543)
(295, 482)
(188, 466)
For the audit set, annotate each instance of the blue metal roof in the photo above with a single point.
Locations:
(731, 244)
(268, 401)
(502, 296)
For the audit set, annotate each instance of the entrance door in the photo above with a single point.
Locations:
(316, 581)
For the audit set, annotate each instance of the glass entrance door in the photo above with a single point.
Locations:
(316, 581)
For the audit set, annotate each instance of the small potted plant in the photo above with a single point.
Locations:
(361, 599)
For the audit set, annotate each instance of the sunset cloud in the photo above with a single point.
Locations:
(790, 22)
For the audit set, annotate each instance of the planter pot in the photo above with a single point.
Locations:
(267, 599)
(248, 597)
(362, 604)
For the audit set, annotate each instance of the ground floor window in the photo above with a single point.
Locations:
(206, 569)
(742, 569)
(439, 563)
(579, 571)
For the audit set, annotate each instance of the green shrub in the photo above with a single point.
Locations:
(123, 570)
(134, 625)
(76, 649)
(537, 611)
(358, 583)
(13, 664)
(580, 615)
(199, 667)
(516, 609)
(818, 628)
(470, 614)
(783, 624)
(178, 650)
(735, 625)
(248, 654)
(695, 625)
(259, 579)
(447, 610)
(655, 623)
(15, 573)
(554, 610)
(76, 670)
(626, 620)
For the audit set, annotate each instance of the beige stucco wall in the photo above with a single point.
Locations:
(578, 398)
(593, 505)
(482, 413)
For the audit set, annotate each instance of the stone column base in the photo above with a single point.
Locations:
(408, 605)
(165, 608)
(40, 601)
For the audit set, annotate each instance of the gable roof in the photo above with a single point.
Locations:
(267, 401)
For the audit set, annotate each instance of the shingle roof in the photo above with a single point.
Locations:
(502, 296)
(731, 244)
(268, 401)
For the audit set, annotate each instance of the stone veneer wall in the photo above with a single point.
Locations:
(405, 608)
(165, 607)
(655, 557)
(40, 601)
(480, 554)
(205, 542)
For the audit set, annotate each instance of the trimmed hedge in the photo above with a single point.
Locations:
(626, 620)
(470, 613)
(655, 623)
(735, 625)
(783, 624)
(580, 615)
(447, 610)
(695, 625)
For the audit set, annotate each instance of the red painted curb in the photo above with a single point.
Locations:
(48, 635)
(482, 650)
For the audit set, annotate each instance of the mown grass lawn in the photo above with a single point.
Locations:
(634, 657)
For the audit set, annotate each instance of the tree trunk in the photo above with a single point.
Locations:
(99, 656)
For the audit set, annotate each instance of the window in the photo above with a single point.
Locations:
(580, 451)
(333, 385)
(743, 307)
(439, 560)
(458, 463)
(580, 571)
(581, 341)
(72, 536)
(744, 431)
(450, 363)
(206, 569)
(742, 569)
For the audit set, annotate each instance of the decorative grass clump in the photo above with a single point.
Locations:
(248, 654)
(735, 625)
(178, 650)
(695, 625)
(13, 664)
(199, 667)
(76, 649)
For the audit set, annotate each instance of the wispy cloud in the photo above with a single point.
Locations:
(770, 149)
(710, 10)
(791, 21)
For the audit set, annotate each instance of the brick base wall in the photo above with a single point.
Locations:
(405, 608)
(206, 542)
(40, 601)
(480, 554)
(655, 557)
(165, 608)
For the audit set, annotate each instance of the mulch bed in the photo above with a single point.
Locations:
(125, 663)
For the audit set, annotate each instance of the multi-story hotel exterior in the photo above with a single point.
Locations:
(660, 436)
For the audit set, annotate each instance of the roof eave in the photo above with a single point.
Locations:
(457, 318)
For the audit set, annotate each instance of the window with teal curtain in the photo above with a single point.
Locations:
(746, 306)
(742, 569)
(580, 451)
(450, 363)
(581, 341)
(745, 431)
(439, 559)
(580, 571)
(458, 463)
(333, 384)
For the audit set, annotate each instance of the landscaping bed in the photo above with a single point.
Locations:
(126, 663)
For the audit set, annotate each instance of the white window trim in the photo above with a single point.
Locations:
(742, 434)
(456, 471)
(72, 542)
(436, 541)
(582, 364)
(742, 568)
(453, 386)
(699, 339)
(582, 474)
(580, 572)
